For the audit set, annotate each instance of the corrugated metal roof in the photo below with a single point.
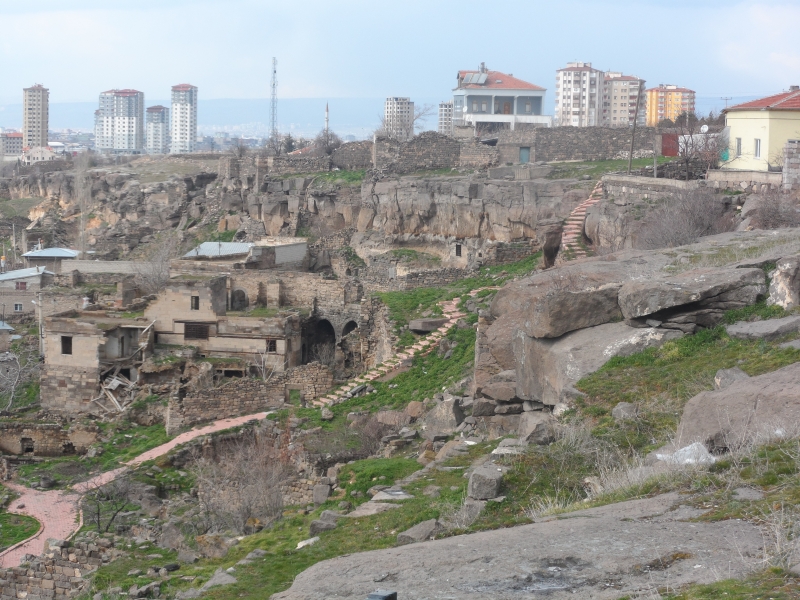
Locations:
(52, 253)
(5, 326)
(219, 249)
(23, 273)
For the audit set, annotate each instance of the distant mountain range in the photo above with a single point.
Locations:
(299, 116)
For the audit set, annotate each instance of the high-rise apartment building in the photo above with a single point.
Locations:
(184, 119)
(11, 144)
(446, 118)
(35, 116)
(157, 130)
(668, 102)
(619, 100)
(398, 118)
(119, 122)
(579, 91)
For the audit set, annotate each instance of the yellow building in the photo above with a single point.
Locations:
(760, 129)
(668, 102)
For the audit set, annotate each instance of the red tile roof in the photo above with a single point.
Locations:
(784, 101)
(496, 80)
(13, 135)
(183, 87)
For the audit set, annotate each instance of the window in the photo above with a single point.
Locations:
(474, 106)
(757, 149)
(272, 345)
(195, 302)
(458, 249)
(66, 344)
(18, 308)
(738, 147)
(195, 331)
(21, 285)
(483, 106)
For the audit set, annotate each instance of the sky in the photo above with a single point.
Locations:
(371, 49)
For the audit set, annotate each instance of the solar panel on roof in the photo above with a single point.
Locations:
(482, 78)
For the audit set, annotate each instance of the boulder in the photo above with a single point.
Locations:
(548, 234)
(319, 526)
(502, 391)
(320, 493)
(444, 417)
(770, 329)
(426, 325)
(624, 411)
(187, 557)
(754, 409)
(171, 536)
(784, 289)
(418, 533)
(219, 578)
(415, 409)
(502, 425)
(484, 483)
(393, 418)
(326, 414)
(547, 369)
(214, 546)
(717, 289)
(506, 408)
(537, 427)
(483, 407)
(726, 377)
(566, 310)
(794, 345)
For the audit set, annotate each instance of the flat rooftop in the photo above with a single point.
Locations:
(281, 241)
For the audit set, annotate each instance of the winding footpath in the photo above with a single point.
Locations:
(58, 511)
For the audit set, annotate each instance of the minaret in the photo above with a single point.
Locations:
(326, 118)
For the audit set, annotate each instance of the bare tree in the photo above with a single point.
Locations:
(326, 142)
(238, 149)
(683, 219)
(324, 353)
(102, 504)
(241, 484)
(697, 144)
(18, 367)
(152, 272)
(777, 211)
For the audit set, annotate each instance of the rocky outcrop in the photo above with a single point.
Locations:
(602, 553)
(754, 410)
(784, 289)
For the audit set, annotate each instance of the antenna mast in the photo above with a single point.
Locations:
(273, 108)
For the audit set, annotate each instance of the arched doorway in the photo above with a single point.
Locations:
(348, 327)
(239, 300)
(323, 345)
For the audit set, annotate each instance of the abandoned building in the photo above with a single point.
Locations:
(49, 258)
(287, 253)
(91, 360)
(18, 290)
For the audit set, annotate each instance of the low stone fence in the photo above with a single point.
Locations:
(746, 181)
(628, 189)
(247, 396)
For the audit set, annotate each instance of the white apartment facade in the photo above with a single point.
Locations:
(184, 119)
(398, 118)
(11, 144)
(446, 118)
(579, 90)
(35, 116)
(485, 99)
(619, 100)
(157, 130)
(119, 122)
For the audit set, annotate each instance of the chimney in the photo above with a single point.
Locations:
(483, 67)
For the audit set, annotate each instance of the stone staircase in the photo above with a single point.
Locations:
(421, 348)
(573, 229)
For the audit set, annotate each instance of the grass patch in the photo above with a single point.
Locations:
(351, 257)
(770, 584)
(15, 528)
(226, 236)
(19, 207)
(407, 305)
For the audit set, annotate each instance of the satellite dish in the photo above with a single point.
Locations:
(464, 109)
(704, 129)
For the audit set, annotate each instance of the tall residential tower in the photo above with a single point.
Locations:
(157, 129)
(398, 118)
(35, 116)
(184, 119)
(119, 122)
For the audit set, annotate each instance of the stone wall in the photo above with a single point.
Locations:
(69, 389)
(791, 165)
(285, 165)
(587, 143)
(247, 396)
(46, 439)
(353, 156)
(631, 188)
(428, 151)
(475, 155)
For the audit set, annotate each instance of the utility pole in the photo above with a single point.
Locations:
(41, 326)
(273, 107)
(635, 119)
(726, 98)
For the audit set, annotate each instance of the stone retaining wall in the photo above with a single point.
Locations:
(791, 165)
(353, 156)
(46, 439)
(552, 144)
(247, 396)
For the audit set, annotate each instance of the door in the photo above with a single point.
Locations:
(507, 108)
(524, 155)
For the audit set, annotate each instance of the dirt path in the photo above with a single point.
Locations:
(632, 549)
(57, 511)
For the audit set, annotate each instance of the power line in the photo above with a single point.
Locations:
(273, 118)
(726, 98)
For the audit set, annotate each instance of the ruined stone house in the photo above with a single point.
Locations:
(91, 360)
(19, 288)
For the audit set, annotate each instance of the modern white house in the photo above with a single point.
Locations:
(491, 100)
